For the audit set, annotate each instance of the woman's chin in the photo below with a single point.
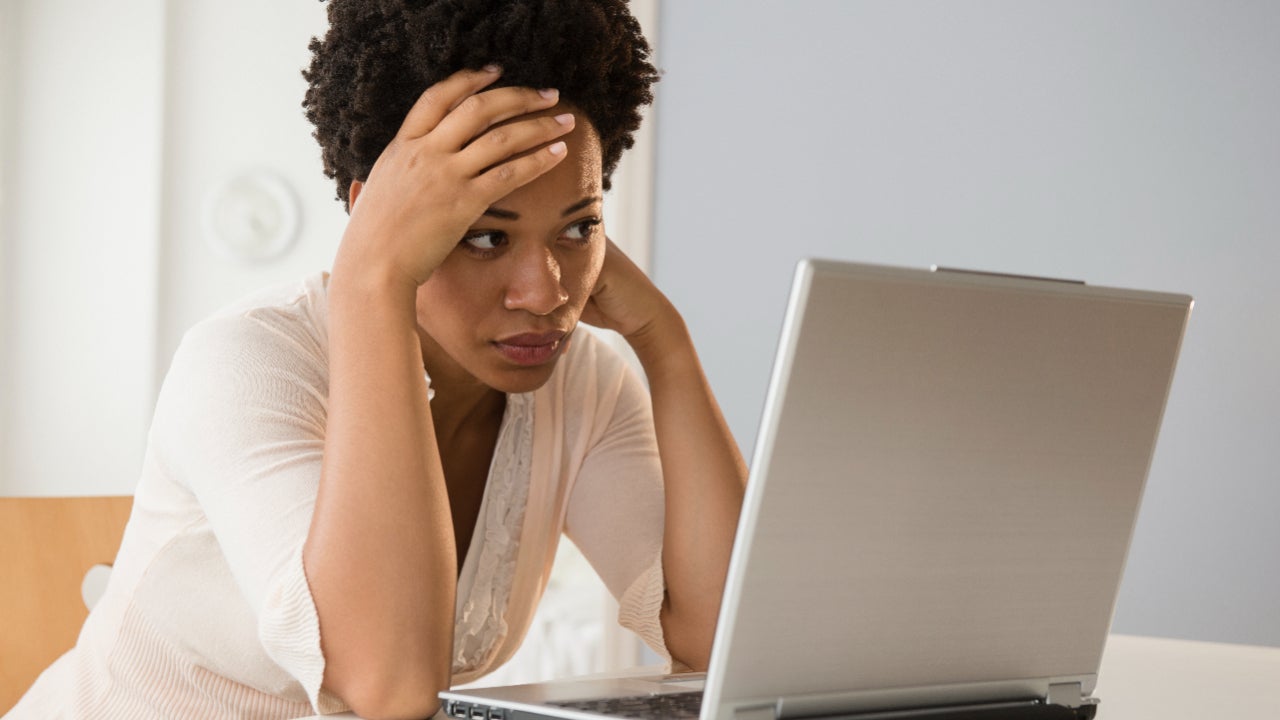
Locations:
(522, 380)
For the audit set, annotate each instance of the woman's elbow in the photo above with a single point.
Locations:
(688, 641)
(383, 709)
(391, 695)
(694, 660)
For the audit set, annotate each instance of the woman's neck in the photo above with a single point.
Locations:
(459, 399)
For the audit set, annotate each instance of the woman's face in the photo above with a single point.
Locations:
(500, 309)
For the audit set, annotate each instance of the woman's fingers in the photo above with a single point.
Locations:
(458, 151)
(476, 114)
(440, 99)
(500, 180)
(510, 140)
(456, 115)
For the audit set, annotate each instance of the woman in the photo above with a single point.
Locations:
(354, 485)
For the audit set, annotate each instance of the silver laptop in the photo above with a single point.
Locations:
(941, 500)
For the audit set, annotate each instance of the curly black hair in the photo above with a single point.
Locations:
(380, 55)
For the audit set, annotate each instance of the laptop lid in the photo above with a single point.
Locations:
(943, 491)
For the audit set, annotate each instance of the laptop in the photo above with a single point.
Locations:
(941, 499)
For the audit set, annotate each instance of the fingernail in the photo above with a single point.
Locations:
(565, 119)
(557, 148)
(491, 68)
(549, 93)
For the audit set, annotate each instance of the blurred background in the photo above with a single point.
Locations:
(155, 165)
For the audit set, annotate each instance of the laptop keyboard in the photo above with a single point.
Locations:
(645, 707)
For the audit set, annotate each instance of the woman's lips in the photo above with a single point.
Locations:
(531, 348)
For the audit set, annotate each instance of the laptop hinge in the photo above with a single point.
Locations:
(756, 712)
(1069, 694)
(1064, 701)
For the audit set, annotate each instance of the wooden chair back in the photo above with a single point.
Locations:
(47, 544)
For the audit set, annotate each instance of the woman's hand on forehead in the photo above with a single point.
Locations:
(460, 149)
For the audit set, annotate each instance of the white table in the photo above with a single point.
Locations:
(1160, 679)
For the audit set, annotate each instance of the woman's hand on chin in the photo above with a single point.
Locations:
(626, 301)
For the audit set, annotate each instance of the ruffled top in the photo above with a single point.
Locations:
(481, 623)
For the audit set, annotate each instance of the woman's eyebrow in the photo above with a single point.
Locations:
(509, 215)
(584, 202)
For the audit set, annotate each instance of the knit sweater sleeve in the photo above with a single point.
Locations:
(242, 423)
(616, 509)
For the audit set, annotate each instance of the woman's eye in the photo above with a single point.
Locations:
(485, 241)
(582, 230)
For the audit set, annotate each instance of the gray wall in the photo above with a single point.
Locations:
(1124, 143)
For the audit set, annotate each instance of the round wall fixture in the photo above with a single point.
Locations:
(252, 217)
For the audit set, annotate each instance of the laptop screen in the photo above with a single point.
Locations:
(945, 484)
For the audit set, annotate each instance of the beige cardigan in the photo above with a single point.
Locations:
(208, 613)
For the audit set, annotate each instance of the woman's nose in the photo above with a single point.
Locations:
(535, 285)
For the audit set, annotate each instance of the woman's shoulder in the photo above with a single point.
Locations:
(300, 302)
(258, 362)
(277, 330)
(290, 316)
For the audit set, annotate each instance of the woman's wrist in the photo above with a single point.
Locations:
(369, 286)
(664, 344)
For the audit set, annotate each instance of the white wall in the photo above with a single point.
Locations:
(8, 100)
(1127, 143)
(233, 104)
(81, 202)
(121, 135)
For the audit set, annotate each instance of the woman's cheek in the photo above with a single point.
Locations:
(585, 279)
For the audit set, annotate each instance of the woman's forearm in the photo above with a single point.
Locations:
(704, 477)
(380, 556)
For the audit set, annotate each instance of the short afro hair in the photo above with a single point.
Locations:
(380, 55)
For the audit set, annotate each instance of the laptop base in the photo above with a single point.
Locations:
(684, 705)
